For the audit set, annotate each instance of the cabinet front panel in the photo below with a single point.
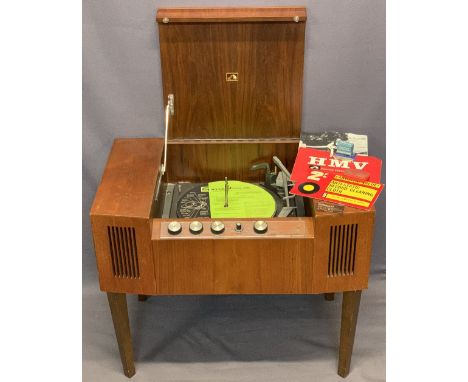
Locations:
(249, 266)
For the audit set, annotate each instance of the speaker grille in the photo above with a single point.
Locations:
(123, 251)
(342, 250)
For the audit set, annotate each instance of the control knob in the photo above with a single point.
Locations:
(260, 226)
(196, 227)
(217, 227)
(174, 228)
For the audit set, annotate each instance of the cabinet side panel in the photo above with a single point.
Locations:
(129, 180)
(123, 254)
(343, 249)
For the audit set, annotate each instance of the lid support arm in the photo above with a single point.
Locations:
(169, 114)
(162, 168)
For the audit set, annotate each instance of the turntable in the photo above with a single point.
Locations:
(207, 208)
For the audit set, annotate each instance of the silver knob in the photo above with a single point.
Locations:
(174, 228)
(217, 227)
(196, 227)
(260, 226)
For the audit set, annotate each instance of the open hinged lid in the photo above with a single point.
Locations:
(236, 73)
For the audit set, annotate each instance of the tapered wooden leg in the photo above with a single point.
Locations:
(349, 315)
(142, 297)
(329, 296)
(118, 307)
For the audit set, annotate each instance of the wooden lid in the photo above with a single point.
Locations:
(234, 72)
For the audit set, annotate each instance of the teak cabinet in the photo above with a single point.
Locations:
(220, 128)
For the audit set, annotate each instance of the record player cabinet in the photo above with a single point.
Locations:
(236, 75)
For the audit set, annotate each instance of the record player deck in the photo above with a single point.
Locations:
(228, 199)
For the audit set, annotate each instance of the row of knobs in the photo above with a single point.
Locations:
(217, 227)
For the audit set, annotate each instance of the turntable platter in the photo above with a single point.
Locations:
(245, 200)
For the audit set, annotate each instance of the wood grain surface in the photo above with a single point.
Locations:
(213, 161)
(119, 312)
(349, 316)
(333, 245)
(108, 280)
(266, 101)
(238, 14)
(129, 179)
(123, 202)
(251, 266)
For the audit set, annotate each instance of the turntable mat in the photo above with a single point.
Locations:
(245, 200)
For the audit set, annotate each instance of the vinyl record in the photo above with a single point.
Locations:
(195, 203)
(309, 188)
(246, 200)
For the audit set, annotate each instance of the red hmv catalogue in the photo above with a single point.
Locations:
(320, 175)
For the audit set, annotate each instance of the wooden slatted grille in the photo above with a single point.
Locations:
(342, 250)
(123, 251)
